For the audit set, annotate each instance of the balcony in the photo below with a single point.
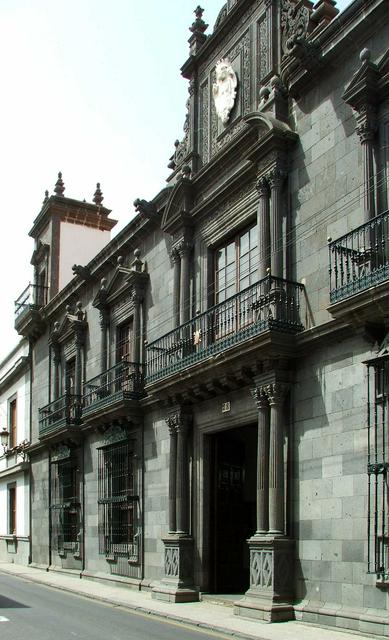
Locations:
(359, 260)
(271, 305)
(28, 320)
(59, 415)
(113, 389)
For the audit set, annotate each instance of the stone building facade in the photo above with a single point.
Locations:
(209, 393)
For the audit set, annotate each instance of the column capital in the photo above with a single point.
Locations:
(174, 255)
(276, 392)
(178, 420)
(276, 176)
(366, 122)
(184, 248)
(262, 186)
(260, 397)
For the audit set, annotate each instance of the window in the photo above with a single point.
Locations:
(236, 269)
(236, 265)
(378, 466)
(13, 438)
(124, 339)
(118, 502)
(70, 376)
(65, 505)
(12, 509)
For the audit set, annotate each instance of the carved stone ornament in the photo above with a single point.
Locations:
(114, 434)
(61, 453)
(294, 24)
(224, 89)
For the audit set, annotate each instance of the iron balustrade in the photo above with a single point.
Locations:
(271, 303)
(63, 412)
(121, 382)
(359, 259)
(33, 297)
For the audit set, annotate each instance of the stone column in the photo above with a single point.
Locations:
(276, 393)
(175, 256)
(263, 221)
(172, 476)
(136, 299)
(275, 179)
(262, 460)
(185, 251)
(79, 340)
(104, 320)
(182, 488)
(177, 584)
(57, 364)
(366, 129)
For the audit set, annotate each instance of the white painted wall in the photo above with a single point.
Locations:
(19, 388)
(78, 245)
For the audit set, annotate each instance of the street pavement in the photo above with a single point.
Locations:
(59, 609)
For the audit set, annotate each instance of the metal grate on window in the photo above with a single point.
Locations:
(378, 466)
(118, 502)
(65, 506)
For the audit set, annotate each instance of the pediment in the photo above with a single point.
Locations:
(178, 209)
(73, 321)
(363, 87)
(274, 137)
(124, 282)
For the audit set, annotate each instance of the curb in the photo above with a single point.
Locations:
(136, 608)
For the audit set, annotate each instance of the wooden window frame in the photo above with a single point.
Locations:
(13, 422)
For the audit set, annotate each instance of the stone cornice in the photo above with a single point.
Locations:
(317, 53)
(21, 365)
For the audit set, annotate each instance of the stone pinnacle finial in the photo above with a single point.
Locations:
(198, 25)
(59, 188)
(98, 195)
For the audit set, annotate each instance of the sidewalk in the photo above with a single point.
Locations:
(203, 614)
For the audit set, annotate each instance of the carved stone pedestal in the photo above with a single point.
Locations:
(270, 595)
(177, 585)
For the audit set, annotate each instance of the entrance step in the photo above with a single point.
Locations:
(224, 599)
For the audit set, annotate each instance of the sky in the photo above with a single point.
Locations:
(93, 89)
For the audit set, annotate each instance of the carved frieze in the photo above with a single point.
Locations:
(264, 35)
(205, 120)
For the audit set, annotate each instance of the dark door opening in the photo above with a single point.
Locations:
(233, 517)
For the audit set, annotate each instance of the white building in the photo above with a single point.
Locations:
(14, 467)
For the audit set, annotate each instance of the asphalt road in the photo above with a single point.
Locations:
(32, 611)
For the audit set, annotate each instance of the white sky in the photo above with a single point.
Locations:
(93, 89)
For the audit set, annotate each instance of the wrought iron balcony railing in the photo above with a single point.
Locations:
(271, 303)
(124, 381)
(61, 413)
(359, 259)
(33, 297)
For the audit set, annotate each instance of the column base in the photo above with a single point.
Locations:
(270, 596)
(177, 585)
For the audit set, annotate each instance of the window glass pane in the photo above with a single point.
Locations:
(221, 258)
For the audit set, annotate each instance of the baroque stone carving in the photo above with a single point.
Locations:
(114, 434)
(241, 48)
(61, 453)
(224, 89)
(294, 24)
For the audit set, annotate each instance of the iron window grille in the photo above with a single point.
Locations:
(65, 506)
(378, 466)
(118, 502)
